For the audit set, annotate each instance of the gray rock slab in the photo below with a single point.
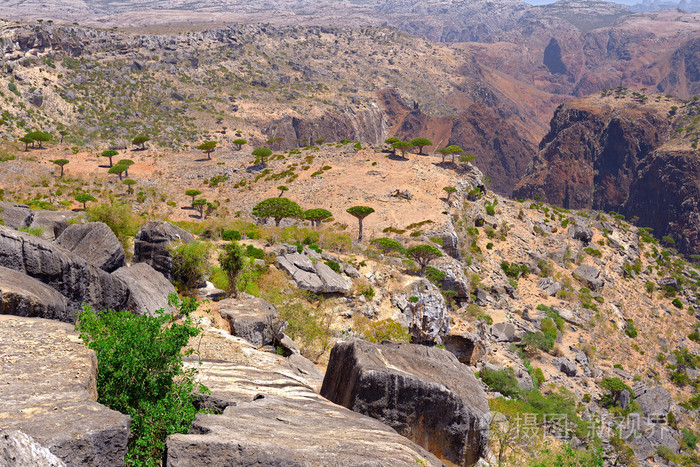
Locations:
(272, 416)
(49, 392)
(148, 289)
(424, 393)
(62, 270)
(96, 243)
(426, 314)
(332, 281)
(655, 401)
(21, 295)
(592, 276)
(15, 216)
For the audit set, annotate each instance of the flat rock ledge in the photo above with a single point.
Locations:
(424, 393)
(273, 416)
(49, 393)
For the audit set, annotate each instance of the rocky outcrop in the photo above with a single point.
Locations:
(15, 216)
(271, 415)
(656, 401)
(62, 270)
(21, 295)
(17, 448)
(589, 275)
(49, 393)
(424, 312)
(151, 245)
(422, 392)
(314, 276)
(148, 289)
(619, 154)
(96, 243)
(467, 347)
(252, 319)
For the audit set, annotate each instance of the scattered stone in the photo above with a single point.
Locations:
(590, 275)
(671, 282)
(565, 365)
(253, 319)
(149, 289)
(49, 393)
(21, 295)
(316, 278)
(549, 286)
(424, 393)
(96, 243)
(503, 332)
(210, 292)
(151, 245)
(581, 232)
(351, 271)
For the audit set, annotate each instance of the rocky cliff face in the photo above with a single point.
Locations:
(621, 154)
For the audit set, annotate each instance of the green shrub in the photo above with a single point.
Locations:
(534, 341)
(515, 270)
(630, 330)
(677, 303)
(230, 235)
(189, 264)
(503, 381)
(333, 265)
(140, 373)
(36, 231)
(387, 245)
(253, 252)
(689, 439)
(434, 275)
(118, 217)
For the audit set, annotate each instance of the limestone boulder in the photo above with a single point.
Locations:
(424, 311)
(64, 271)
(148, 289)
(424, 393)
(504, 332)
(655, 401)
(49, 393)
(21, 295)
(151, 245)
(17, 448)
(271, 415)
(15, 216)
(252, 319)
(467, 347)
(591, 276)
(314, 276)
(96, 243)
(581, 232)
(52, 223)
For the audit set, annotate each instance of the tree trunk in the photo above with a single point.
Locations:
(422, 269)
(359, 239)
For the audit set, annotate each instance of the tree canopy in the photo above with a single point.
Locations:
(193, 193)
(129, 184)
(262, 153)
(277, 208)
(239, 143)
(452, 150)
(118, 169)
(109, 153)
(420, 143)
(449, 190)
(84, 198)
(423, 254)
(40, 137)
(402, 146)
(387, 245)
(360, 212)
(282, 189)
(316, 216)
(61, 163)
(141, 140)
(208, 147)
(199, 205)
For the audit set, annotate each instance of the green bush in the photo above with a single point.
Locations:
(189, 264)
(503, 381)
(333, 265)
(140, 373)
(515, 270)
(677, 303)
(434, 275)
(534, 341)
(118, 217)
(382, 330)
(387, 245)
(630, 330)
(253, 252)
(230, 235)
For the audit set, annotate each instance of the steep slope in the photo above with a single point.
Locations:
(635, 155)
